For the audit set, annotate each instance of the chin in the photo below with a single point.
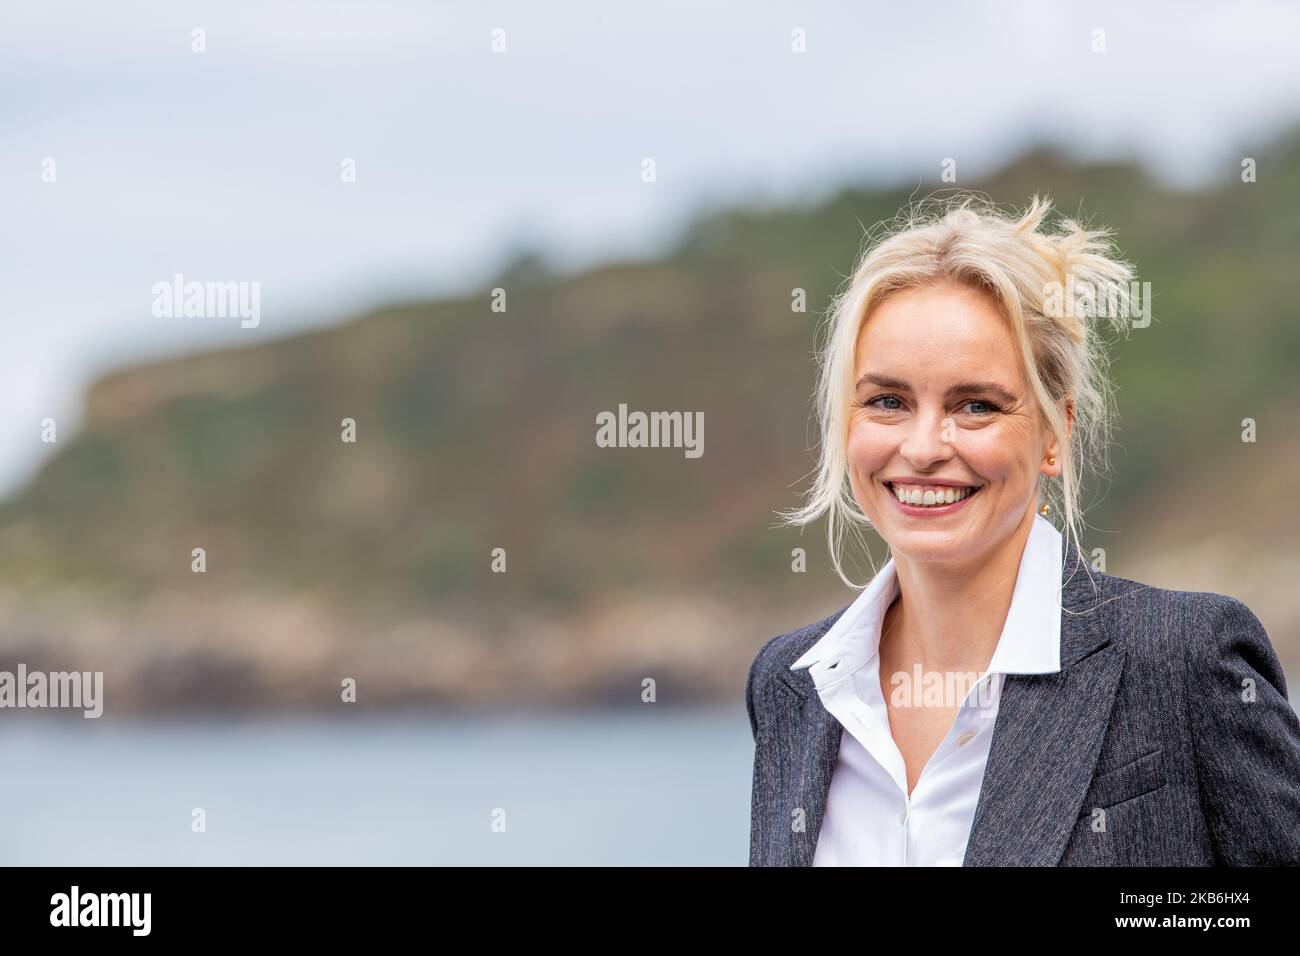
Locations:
(932, 547)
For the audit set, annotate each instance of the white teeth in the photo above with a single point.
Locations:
(933, 495)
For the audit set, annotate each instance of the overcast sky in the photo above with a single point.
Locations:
(226, 164)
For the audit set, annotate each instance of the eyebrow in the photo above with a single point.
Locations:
(960, 388)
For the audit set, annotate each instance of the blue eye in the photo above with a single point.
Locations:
(881, 398)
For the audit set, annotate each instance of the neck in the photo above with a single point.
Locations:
(950, 619)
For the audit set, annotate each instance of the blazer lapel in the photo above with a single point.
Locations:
(807, 753)
(1047, 736)
(813, 752)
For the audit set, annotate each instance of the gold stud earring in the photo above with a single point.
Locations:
(1043, 510)
(1051, 460)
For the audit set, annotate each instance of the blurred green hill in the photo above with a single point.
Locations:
(475, 431)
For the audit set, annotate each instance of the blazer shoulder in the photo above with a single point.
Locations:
(1193, 606)
(784, 649)
(1226, 632)
(1207, 623)
(776, 655)
(1133, 599)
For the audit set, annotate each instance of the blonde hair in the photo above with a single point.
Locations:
(1049, 285)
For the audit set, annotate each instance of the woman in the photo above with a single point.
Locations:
(1005, 702)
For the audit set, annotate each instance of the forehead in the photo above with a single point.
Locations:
(935, 331)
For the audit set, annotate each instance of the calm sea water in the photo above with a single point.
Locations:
(653, 787)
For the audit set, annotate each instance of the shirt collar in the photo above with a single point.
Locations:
(1031, 637)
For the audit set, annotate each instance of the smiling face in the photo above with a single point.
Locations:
(941, 410)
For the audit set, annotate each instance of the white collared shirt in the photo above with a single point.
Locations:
(869, 818)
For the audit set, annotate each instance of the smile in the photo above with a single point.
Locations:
(930, 499)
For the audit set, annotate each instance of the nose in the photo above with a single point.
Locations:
(924, 446)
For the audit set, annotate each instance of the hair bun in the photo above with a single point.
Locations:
(1086, 278)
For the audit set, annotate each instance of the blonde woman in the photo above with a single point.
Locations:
(990, 698)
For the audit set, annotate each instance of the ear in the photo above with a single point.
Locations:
(1053, 449)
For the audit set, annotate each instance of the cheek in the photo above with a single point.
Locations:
(868, 452)
(860, 446)
(995, 454)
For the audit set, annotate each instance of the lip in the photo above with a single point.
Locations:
(933, 510)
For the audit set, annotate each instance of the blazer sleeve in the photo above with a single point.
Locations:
(1246, 737)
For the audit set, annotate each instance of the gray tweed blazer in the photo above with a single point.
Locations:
(1169, 716)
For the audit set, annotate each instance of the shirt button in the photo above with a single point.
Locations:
(965, 738)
